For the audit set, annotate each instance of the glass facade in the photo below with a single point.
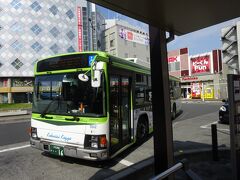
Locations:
(31, 30)
(35, 29)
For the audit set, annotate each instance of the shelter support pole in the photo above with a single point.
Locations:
(162, 123)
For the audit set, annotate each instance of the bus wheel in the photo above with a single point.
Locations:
(174, 112)
(142, 129)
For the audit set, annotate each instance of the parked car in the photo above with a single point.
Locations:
(224, 112)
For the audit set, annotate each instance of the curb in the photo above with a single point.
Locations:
(145, 169)
(13, 113)
(15, 118)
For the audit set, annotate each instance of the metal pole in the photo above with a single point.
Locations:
(214, 142)
(203, 92)
(162, 124)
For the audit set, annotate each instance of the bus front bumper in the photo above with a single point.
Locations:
(71, 151)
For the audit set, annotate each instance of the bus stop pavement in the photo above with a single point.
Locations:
(192, 141)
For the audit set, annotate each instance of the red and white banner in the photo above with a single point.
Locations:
(133, 36)
(79, 16)
(173, 59)
(200, 64)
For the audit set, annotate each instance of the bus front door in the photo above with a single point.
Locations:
(119, 112)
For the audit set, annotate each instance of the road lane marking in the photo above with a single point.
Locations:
(208, 126)
(125, 162)
(14, 148)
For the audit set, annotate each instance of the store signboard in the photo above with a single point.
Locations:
(133, 36)
(189, 78)
(200, 64)
(173, 59)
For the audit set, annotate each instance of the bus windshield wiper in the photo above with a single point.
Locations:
(74, 118)
(43, 113)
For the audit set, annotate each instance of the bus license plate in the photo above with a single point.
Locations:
(56, 150)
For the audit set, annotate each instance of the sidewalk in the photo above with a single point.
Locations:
(192, 141)
(200, 100)
(13, 116)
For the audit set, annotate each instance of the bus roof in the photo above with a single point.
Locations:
(115, 61)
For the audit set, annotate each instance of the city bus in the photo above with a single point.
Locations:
(90, 105)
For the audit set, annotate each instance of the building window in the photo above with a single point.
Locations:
(54, 48)
(112, 43)
(70, 14)
(16, 4)
(37, 47)
(53, 10)
(16, 45)
(17, 64)
(16, 27)
(36, 29)
(35, 6)
(70, 35)
(54, 31)
(174, 66)
(70, 49)
(112, 36)
(177, 66)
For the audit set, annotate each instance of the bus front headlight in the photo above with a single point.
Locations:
(34, 132)
(95, 141)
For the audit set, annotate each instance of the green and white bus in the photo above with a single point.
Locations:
(90, 105)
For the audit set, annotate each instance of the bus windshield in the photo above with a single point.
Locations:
(66, 94)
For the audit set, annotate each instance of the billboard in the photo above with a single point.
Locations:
(200, 64)
(133, 36)
(173, 59)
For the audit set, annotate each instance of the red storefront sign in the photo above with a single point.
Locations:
(189, 78)
(200, 64)
(79, 14)
(173, 59)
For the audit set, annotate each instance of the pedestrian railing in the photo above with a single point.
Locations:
(181, 165)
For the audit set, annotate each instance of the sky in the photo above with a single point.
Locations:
(198, 42)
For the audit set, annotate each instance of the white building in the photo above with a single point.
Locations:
(126, 41)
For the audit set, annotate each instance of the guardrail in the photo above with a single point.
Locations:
(181, 165)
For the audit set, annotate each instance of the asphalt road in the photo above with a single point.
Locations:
(14, 132)
(191, 130)
(193, 109)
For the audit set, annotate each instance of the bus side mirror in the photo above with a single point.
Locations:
(96, 78)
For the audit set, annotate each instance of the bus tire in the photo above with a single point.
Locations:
(142, 129)
(174, 112)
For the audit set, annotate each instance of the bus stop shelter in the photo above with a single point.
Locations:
(178, 18)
